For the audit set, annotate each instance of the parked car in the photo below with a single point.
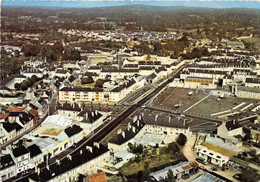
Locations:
(237, 176)
(202, 161)
(185, 176)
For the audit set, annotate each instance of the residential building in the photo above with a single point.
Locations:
(229, 129)
(80, 94)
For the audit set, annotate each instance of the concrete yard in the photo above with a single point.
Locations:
(172, 96)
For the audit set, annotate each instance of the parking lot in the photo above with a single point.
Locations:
(214, 106)
(173, 96)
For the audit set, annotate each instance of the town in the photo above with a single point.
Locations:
(112, 100)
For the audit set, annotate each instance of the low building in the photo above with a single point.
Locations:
(22, 158)
(211, 177)
(211, 156)
(178, 170)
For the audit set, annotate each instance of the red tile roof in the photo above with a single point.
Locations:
(4, 115)
(194, 164)
(14, 109)
(99, 177)
(186, 167)
(33, 112)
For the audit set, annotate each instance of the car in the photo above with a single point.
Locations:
(214, 168)
(185, 176)
(202, 161)
(237, 176)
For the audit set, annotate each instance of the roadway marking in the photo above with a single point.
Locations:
(196, 103)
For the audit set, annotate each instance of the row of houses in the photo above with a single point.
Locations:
(158, 125)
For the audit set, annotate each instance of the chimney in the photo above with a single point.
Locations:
(92, 113)
(169, 119)
(138, 123)
(123, 134)
(80, 152)
(133, 129)
(128, 126)
(69, 157)
(184, 122)
(89, 148)
(97, 144)
(134, 118)
(142, 114)
(58, 161)
(48, 168)
(155, 118)
(96, 112)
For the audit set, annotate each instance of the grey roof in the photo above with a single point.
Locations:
(210, 177)
(81, 89)
(163, 121)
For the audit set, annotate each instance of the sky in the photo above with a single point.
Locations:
(107, 3)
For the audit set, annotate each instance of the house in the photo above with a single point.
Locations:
(91, 119)
(235, 44)
(36, 156)
(166, 126)
(7, 167)
(99, 177)
(211, 156)
(255, 131)
(70, 110)
(252, 82)
(122, 90)
(121, 140)
(10, 81)
(80, 94)
(15, 123)
(178, 171)
(22, 158)
(5, 90)
(28, 73)
(79, 162)
(229, 129)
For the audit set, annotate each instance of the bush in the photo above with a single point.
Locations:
(87, 80)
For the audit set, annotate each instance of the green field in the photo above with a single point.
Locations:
(252, 40)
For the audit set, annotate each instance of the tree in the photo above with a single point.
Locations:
(99, 83)
(24, 86)
(182, 139)
(146, 173)
(170, 176)
(249, 175)
(247, 137)
(87, 80)
(17, 86)
(34, 78)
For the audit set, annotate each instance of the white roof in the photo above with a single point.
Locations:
(58, 120)
(176, 169)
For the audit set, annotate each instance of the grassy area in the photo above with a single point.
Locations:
(218, 149)
(181, 30)
(78, 84)
(155, 160)
(252, 40)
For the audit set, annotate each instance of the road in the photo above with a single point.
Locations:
(107, 129)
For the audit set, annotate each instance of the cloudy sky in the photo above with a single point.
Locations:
(105, 3)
